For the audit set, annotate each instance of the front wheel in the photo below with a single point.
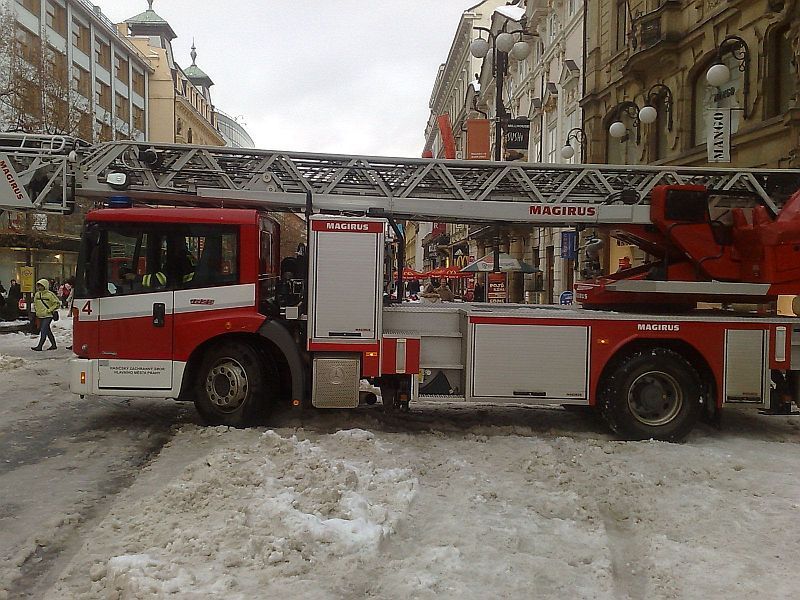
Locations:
(232, 386)
(652, 394)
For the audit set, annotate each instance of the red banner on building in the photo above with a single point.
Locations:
(446, 132)
(478, 139)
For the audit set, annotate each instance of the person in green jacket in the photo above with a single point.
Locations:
(45, 303)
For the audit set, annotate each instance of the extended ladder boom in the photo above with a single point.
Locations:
(405, 188)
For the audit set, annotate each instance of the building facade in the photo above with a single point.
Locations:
(180, 99)
(659, 53)
(433, 245)
(543, 91)
(233, 131)
(64, 69)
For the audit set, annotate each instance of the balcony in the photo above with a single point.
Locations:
(662, 27)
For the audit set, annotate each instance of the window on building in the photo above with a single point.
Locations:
(121, 68)
(621, 28)
(572, 6)
(33, 6)
(138, 82)
(189, 136)
(658, 134)
(82, 81)
(102, 53)
(138, 118)
(621, 151)
(56, 65)
(104, 132)
(32, 99)
(552, 143)
(81, 38)
(122, 107)
(552, 26)
(570, 124)
(57, 17)
(28, 45)
(102, 95)
(783, 88)
(85, 127)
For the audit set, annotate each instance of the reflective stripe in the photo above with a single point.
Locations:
(147, 280)
(188, 277)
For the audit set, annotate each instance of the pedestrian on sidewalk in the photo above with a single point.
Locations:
(45, 303)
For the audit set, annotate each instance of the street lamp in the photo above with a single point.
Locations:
(502, 46)
(719, 73)
(578, 136)
(658, 94)
(618, 129)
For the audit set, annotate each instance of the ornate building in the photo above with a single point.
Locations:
(542, 91)
(64, 69)
(660, 53)
(181, 110)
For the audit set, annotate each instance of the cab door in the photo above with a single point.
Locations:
(136, 310)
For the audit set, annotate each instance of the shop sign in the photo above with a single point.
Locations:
(569, 246)
(27, 276)
(39, 222)
(719, 135)
(496, 288)
(478, 139)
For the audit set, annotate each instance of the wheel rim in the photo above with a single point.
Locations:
(655, 398)
(227, 385)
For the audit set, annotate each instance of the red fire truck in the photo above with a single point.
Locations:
(213, 314)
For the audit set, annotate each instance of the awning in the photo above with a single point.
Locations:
(507, 263)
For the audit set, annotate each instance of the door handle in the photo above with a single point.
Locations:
(159, 314)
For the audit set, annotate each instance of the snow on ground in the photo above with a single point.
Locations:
(464, 511)
(134, 499)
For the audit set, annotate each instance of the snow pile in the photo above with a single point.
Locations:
(7, 363)
(269, 510)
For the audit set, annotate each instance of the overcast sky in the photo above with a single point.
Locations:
(342, 76)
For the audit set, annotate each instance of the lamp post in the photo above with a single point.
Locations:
(618, 129)
(659, 94)
(719, 73)
(578, 136)
(502, 46)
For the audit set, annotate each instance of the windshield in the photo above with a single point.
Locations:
(131, 258)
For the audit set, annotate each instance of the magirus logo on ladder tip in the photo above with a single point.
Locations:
(10, 177)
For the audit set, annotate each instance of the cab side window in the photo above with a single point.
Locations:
(145, 258)
(135, 261)
(204, 257)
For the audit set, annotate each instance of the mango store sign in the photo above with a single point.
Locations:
(719, 135)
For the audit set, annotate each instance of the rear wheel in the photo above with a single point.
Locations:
(235, 385)
(652, 394)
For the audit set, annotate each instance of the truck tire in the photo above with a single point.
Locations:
(234, 385)
(652, 394)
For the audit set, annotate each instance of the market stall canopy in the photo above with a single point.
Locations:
(447, 272)
(507, 263)
(409, 273)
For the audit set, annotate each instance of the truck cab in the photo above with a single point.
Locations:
(154, 284)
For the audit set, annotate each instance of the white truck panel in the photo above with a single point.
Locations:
(529, 362)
